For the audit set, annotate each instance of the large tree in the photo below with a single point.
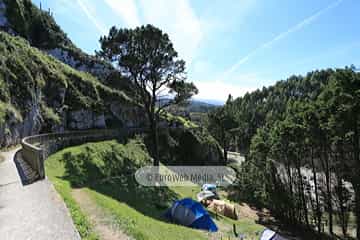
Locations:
(147, 57)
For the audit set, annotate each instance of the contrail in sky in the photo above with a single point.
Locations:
(282, 35)
(99, 26)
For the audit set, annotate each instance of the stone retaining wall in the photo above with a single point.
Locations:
(35, 149)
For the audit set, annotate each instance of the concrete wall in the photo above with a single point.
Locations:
(35, 149)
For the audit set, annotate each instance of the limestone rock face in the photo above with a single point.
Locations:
(129, 116)
(85, 119)
(13, 129)
(95, 68)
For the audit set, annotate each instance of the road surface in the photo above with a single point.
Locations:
(33, 211)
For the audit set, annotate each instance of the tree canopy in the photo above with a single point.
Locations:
(146, 56)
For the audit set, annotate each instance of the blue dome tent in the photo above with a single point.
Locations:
(190, 213)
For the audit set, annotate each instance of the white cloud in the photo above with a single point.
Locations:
(237, 86)
(178, 19)
(218, 90)
(90, 12)
(282, 35)
(127, 10)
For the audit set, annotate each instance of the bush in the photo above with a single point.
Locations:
(106, 161)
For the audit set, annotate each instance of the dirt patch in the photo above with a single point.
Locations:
(245, 211)
(101, 221)
(2, 158)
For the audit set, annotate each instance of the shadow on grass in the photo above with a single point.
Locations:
(150, 201)
(115, 177)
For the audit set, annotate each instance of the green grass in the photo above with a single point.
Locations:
(55, 170)
(178, 119)
(141, 226)
(137, 210)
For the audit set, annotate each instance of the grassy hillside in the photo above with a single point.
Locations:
(136, 210)
(29, 77)
(41, 30)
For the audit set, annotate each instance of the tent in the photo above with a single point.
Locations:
(268, 234)
(203, 195)
(209, 187)
(190, 213)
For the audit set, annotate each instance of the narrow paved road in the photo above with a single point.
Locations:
(33, 211)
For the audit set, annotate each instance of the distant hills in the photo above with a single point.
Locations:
(209, 101)
(194, 105)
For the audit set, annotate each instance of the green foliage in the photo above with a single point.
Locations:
(189, 146)
(102, 162)
(311, 123)
(49, 115)
(179, 121)
(149, 59)
(7, 111)
(222, 125)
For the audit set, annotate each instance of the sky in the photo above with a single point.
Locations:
(230, 46)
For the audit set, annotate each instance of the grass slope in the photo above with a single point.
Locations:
(138, 211)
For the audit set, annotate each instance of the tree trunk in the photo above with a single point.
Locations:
(302, 192)
(291, 209)
(155, 139)
(225, 155)
(318, 212)
(328, 193)
(224, 145)
(356, 185)
(357, 207)
(342, 200)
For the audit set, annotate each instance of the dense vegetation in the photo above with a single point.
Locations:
(301, 138)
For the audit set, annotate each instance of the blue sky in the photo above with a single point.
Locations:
(230, 46)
